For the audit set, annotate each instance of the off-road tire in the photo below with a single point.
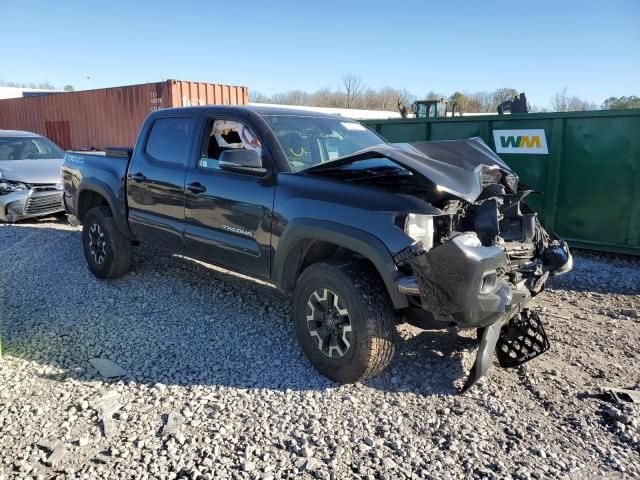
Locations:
(370, 314)
(117, 248)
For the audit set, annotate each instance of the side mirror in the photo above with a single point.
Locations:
(242, 160)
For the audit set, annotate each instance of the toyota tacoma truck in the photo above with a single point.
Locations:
(360, 233)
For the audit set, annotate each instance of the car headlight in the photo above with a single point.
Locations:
(420, 228)
(512, 182)
(7, 186)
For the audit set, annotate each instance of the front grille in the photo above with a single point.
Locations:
(41, 204)
(45, 187)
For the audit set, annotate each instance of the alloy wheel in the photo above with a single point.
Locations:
(97, 243)
(328, 323)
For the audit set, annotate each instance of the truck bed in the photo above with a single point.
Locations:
(107, 170)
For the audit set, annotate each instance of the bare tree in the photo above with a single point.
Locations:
(292, 97)
(480, 102)
(354, 94)
(41, 85)
(559, 101)
(258, 97)
(537, 109)
(577, 104)
(353, 87)
(323, 98)
(562, 102)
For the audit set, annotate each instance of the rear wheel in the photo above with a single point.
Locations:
(344, 320)
(107, 251)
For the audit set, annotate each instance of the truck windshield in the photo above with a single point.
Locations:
(28, 148)
(308, 141)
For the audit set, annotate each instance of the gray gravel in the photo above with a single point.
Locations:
(217, 352)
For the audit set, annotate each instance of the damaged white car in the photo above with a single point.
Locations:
(30, 183)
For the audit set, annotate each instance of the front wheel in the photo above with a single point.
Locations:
(107, 251)
(344, 320)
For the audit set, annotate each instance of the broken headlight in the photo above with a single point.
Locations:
(420, 228)
(511, 181)
(7, 187)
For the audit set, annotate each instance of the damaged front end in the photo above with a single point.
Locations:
(477, 279)
(478, 256)
(479, 267)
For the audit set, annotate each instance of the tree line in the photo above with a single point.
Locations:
(353, 93)
(41, 85)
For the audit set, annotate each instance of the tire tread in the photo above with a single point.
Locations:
(121, 245)
(380, 325)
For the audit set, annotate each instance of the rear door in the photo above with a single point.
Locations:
(228, 214)
(155, 181)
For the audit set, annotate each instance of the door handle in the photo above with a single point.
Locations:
(196, 187)
(138, 177)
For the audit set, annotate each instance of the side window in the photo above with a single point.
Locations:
(169, 140)
(221, 135)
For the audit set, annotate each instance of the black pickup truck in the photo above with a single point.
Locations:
(362, 234)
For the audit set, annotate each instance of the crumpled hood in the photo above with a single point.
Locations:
(455, 166)
(32, 171)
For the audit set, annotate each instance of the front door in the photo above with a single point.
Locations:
(228, 214)
(155, 182)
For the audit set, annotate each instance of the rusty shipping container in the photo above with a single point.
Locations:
(108, 116)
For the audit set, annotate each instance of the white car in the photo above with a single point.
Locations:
(30, 183)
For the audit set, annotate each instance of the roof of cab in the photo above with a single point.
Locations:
(17, 133)
(260, 110)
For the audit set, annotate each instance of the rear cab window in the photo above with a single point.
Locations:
(169, 140)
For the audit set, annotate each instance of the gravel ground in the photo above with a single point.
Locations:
(217, 351)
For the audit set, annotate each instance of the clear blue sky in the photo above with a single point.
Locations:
(591, 47)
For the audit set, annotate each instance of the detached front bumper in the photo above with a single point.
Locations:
(37, 202)
(469, 285)
(466, 284)
(462, 282)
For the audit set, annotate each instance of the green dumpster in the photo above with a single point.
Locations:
(585, 164)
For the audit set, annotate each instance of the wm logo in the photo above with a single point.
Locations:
(523, 141)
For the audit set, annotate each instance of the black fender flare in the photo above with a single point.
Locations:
(117, 207)
(345, 236)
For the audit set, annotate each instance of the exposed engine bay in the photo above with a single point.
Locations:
(479, 255)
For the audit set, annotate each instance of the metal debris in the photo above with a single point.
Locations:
(56, 456)
(174, 420)
(108, 425)
(107, 401)
(101, 459)
(49, 444)
(106, 405)
(107, 368)
(623, 395)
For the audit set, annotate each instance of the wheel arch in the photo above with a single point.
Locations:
(305, 241)
(97, 195)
